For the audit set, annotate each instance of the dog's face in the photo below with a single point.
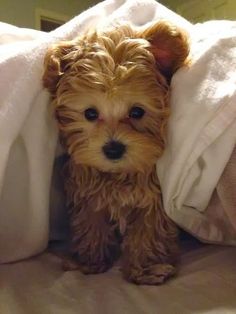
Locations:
(111, 93)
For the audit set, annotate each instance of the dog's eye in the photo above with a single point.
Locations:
(91, 114)
(136, 112)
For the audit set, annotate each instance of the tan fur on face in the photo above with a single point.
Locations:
(114, 71)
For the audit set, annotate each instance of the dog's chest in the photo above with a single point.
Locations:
(116, 192)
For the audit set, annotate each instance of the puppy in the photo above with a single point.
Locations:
(110, 94)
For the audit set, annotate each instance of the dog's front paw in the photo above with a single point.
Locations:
(152, 275)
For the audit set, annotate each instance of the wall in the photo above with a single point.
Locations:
(22, 13)
(198, 10)
(173, 4)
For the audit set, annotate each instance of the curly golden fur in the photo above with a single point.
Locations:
(114, 199)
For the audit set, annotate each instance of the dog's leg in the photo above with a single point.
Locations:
(94, 245)
(149, 247)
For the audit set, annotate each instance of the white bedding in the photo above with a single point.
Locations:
(206, 284)
(202, 131)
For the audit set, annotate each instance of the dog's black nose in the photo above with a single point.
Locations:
(114, 150)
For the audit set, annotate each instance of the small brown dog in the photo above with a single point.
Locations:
(110, 93)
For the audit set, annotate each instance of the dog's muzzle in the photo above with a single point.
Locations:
(114, 150)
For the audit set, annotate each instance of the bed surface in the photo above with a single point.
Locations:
(206, 284)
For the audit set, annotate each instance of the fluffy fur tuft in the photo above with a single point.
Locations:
(115, 203)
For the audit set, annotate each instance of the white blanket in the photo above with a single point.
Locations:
(28, 134)
(202, 131)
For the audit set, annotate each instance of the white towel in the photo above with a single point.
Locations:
(202, 129)
(27, 133)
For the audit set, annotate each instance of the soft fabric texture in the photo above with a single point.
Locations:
(221, 208)
(205, 285)
(202, 134)
(28, 133)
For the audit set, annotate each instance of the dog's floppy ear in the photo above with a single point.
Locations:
(55, 63)
(169, 45)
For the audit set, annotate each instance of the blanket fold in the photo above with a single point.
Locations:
(202, 130)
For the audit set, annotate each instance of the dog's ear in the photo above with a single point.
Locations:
(169, 45)
(55, 62)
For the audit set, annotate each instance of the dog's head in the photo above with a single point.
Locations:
(111, 92)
